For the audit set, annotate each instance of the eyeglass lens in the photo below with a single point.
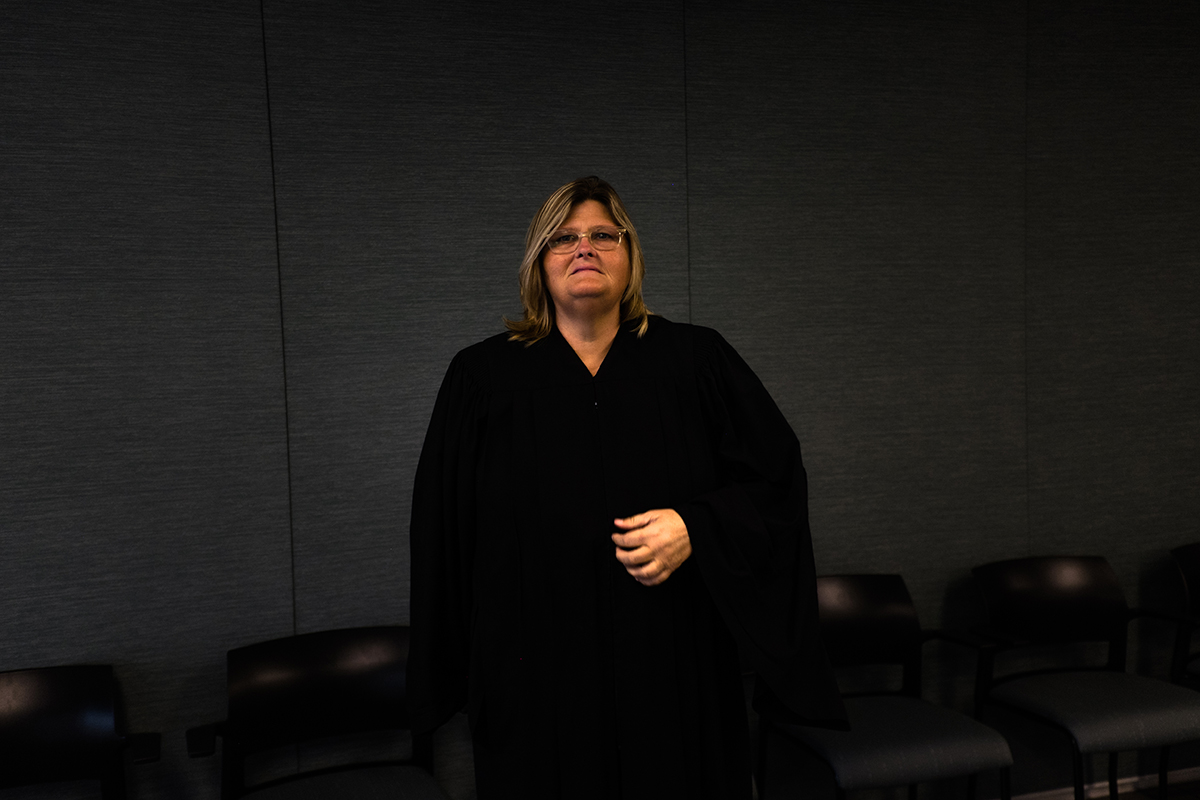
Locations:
(602, 238)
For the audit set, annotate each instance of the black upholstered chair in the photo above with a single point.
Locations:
(895, 737)
(64, 724)
(314, 687)
(1069, 600)
(1184, 667)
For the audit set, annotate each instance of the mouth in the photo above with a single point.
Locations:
(584, 268)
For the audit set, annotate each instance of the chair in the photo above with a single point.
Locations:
(895, 737)
(312, 687)
(1183, 663)
(63, 724)
(1054, 604)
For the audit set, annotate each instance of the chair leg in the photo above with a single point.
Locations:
(1163, 759)
(233, 775)
(1005, 784)
(1112, 776)
(422, 751)
(1078, 764)
(112, 784)
(760, 769)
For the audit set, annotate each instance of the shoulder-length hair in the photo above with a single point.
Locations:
(538, 318)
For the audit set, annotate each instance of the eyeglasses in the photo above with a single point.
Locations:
(602, 237)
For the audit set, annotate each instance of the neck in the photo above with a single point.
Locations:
(589, 336)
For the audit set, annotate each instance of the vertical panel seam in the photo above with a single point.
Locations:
(687, 176)
(287, 428)
(1025, 283)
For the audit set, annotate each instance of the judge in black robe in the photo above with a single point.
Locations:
(589, 670)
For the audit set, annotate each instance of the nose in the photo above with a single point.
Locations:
(585, 246)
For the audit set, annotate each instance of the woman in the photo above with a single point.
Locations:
(607, 508)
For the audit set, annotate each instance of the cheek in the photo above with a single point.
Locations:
(552, 278)
(551, 271)
(628, 271)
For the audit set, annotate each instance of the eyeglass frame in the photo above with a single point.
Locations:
(621, 232)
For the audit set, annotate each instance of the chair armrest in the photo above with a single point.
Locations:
(970, 639)
(143, 748)
(999, 639)
(202, 740)
(987, 643)
(1181, 657)
(1163, 616)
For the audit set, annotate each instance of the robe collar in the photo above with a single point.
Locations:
(563, 351)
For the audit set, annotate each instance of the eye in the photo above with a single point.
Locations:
(563, 239)
(603, 235)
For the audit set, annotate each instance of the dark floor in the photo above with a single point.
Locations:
(1182, 791)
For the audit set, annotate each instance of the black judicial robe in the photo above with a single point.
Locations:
(580, 682)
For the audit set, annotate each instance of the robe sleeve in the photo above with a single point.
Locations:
(442, 543)
(751, 539)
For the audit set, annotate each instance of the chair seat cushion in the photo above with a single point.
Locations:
(1108, 711)
(894, 741)
(364, 783)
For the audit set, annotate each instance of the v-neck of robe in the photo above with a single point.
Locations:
(604, 367)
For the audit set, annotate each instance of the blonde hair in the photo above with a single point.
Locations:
(538, 318)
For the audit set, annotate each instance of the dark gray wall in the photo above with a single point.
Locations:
(143, 449)
(1113, 288)
(857, 232)
(239, 246)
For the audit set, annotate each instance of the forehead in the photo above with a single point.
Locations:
(588, 212)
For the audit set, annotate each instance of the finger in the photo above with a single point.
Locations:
(634, 522)
(634, 558)
(652, 575)
(647, 567)
(630, 540)
(643, 572)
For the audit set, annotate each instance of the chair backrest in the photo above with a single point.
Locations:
(317, 685)
(1187, 559)
(870, 620)
(58, 724)
(1056, 599)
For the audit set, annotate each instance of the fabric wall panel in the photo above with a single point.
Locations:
(856, 215)
(143, 484)
(413, 144)
(1114, 310)
(925, 228)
